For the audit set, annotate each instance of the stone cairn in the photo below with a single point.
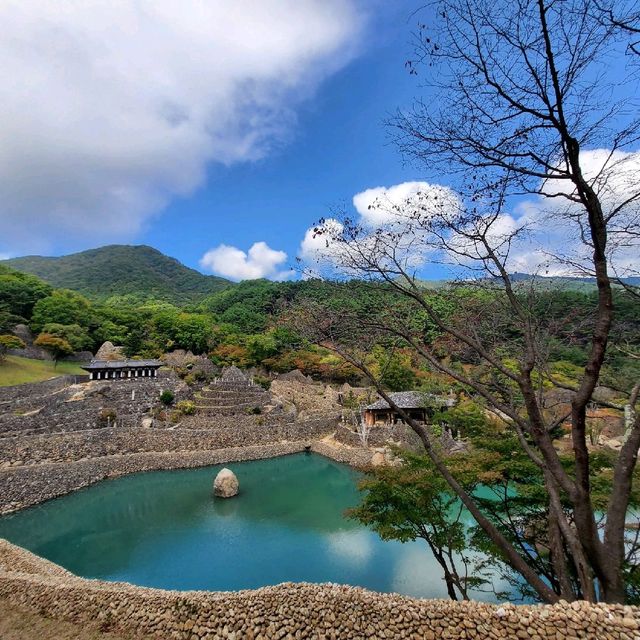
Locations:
(233, 393)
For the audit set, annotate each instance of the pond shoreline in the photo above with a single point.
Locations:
(288, 610)
(28, 485)
(292, 610)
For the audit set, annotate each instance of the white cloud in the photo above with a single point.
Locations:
(261, 261)
(110, 109)
(316, 249)
(552, 221)
(383, 205)
(394, 209)
(528, 239)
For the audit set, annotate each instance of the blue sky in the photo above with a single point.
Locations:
(339, 147)
(218, 132)
(328, 145)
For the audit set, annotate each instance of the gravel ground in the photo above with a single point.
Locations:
(17, 623)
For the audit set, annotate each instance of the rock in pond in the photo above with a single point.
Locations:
(226, 484)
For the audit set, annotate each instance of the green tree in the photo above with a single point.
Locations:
(19, 292)
(77, 336)
(63, 307)
(8, 341)
(396, 375)
(56, 347)
(413, 502)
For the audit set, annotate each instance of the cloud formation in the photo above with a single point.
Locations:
(540, 235)
(390, 208)
(110, 109)
(261, 261)
(384, 205)
(552, 244)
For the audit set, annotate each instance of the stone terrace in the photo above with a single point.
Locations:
(59, 406)
(231, 394)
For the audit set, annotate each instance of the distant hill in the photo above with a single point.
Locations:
(122, 270)
(542, 283)
(566, 283)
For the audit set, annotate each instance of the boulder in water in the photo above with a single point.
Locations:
(226, 484)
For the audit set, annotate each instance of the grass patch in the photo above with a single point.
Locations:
(17, 370)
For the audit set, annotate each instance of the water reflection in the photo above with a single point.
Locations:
(165, 529)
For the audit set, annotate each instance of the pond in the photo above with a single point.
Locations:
(164, 529)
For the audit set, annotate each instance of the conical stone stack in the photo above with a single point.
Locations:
(233, 393)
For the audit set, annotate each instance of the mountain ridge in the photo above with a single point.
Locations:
(140, 271)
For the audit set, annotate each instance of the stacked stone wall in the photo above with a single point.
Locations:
(379, 436)
(35, 389)
(294, 610)
(54, 408)
(65, 447)
(22, 487)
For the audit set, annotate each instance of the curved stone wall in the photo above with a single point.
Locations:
(26, 486)
(294, 610)
(92, 443)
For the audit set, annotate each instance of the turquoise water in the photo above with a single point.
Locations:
(164, 529)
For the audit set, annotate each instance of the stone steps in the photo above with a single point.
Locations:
(225, 411)
(230, 398)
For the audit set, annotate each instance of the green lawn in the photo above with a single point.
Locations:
(16, 370)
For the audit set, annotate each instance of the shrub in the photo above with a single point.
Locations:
(107, 416)
(186, 407)
(265, 383)
(8, 341)
(57, 347)
(167, 397)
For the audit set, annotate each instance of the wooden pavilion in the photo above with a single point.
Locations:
(119, 369)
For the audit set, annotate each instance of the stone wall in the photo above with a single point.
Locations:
(38, 389)
(379, 436)
(22, 487)
(66, 447)
(294, 610)
(56, 406)
(355, 457)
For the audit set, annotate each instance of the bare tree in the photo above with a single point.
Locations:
(623, 15)
(521, 94)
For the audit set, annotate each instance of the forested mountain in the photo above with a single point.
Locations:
(140, 272)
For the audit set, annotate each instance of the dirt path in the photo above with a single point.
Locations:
(21, 624)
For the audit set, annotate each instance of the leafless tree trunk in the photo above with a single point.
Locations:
(521, 93)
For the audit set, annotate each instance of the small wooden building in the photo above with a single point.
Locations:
(118, 369)
(419, 405)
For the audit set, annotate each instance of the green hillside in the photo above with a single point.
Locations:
(123, 270)
(16, 370)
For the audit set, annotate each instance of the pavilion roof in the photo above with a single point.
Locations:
(413, 400)
(121, 364)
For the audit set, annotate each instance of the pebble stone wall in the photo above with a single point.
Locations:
(294, 610)
(93, 443)
(22, 487)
